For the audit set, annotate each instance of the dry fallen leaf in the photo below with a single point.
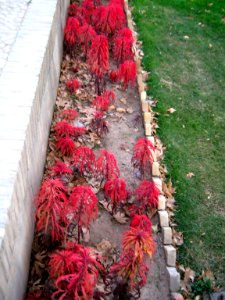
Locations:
(104, 246)
(130, 110)
(171, 110)
(177, 238)
(189, 275)
(121, 110)
(168, 189)
(123, 100)
(190, 174)
(120, 217)
(170, 203)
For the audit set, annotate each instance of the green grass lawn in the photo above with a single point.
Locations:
(184, 46)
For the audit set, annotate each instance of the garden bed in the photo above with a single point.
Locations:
(120, 128)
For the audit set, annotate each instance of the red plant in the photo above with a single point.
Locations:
(141, 222)
(59, 169)
(117, 2)
(131, 270)
(86, 35)
(115, 190)
(142, 155)
(146, 197)
(63, 129)
(139, 241)
(82, 206)
(122, 49)
(72, 85)
(69, 114)
(114, 76)
(50, 203)
(72, 9)
(102, 102)
(83, 159)
(106, 165)
(61, 263)
(78, 131)
(66, 146)
(98, 124)
(127, 73)
(70, 32)
(125, 33)
(80, 284)
(108, 19)
(98, 56)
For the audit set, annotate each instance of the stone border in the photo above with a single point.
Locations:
(148, 116)
(27, 98)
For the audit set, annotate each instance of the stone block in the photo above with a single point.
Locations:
(143, 96)
(163, 218)
(155, 169)
(145, 106)
(158, 183)
(161, 202)
(147, 117)
(174, 279)
(148, 129)
(171, 255)
(151, 139)
(167, 235)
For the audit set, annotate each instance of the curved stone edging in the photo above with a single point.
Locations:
(148, 115)
(27, 96)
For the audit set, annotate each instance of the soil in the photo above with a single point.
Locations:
(125, 126)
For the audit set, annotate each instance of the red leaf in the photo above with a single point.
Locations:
(127, 73)
(106, 165)
(83, 160)
(86, 34)
(50, 203)
(72, 85)
(115, 190)
(66, 146)
(146, 197)
(69, 114)
(142, 155)
(63, 129)
(71, 30)
(141, 222)
(98, 124)
(60, 169)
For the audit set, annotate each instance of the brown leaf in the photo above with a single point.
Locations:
(121, 110)
(104, 246)
(120, 217)
(168, 189)
(189, 275)
(123, 100)
(190, 174)
(130, 110)
(177, 238)
(207, 274)
(170, 203)
(171, 110)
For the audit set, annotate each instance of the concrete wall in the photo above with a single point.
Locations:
(28, 87)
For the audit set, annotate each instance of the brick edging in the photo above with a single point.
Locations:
(148, 116)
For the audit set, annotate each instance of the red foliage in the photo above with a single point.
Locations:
(146, 197)
(83, 206)
(84, 160)
(86, 35)
(98, 124)
(66, 146)
(34, 296)
(98, 56)
(59, 169)
(142, 155)
(127, 73)
(108, 19)
(78, 131)
(80, 284)
(139, 241)
(61, 263)
(50, 204)
(122, 49)
(117, 2)
(106, 165)
(125, 33)
(72, 9)
(114, 75)
(69, 114)
(115, 190)
(72, 85)
(110, 95)
(131, 270)
(63, 129)
(102, 102)
(141, 222)
(70, 31)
